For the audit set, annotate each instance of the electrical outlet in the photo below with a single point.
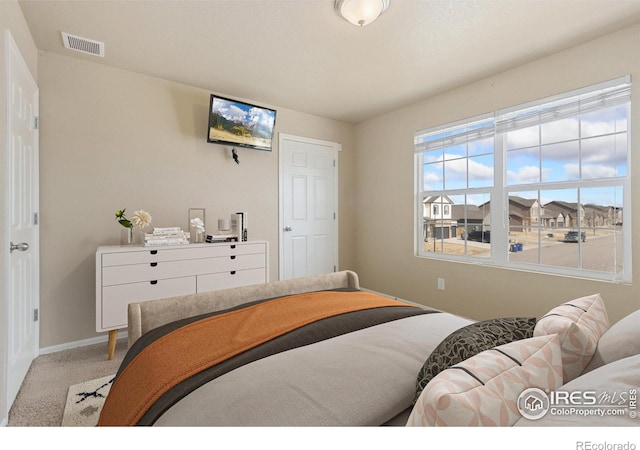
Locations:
(441, 284)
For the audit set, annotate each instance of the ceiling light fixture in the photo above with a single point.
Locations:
(361, 12)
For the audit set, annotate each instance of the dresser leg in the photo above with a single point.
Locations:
(113, 338)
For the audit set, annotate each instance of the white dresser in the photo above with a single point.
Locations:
(126, 274)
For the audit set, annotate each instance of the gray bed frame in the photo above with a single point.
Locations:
(145, 316)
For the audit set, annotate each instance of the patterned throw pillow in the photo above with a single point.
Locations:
(471, 340)
(484, 389)
(579, 324)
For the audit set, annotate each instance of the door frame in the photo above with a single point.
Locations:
(335, 149)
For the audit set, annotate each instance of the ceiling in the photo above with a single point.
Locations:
(299, 54)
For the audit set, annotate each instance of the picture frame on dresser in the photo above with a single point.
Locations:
(127, 274)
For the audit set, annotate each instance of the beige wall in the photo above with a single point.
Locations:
(112, 139)
(385, 210)
(11, 19)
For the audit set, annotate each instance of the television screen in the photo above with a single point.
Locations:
(232, 122)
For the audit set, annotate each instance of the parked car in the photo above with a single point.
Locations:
(480, 236)
(572, 236)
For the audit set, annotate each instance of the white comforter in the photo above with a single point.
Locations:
(362, 378)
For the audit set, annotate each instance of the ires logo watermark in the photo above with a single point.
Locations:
(534, 403)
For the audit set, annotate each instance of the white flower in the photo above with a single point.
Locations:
(198, 224)
(141, 219)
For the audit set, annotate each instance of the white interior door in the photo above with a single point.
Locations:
(308, 206)
(21, 219)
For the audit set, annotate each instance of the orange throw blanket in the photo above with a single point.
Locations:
(199, 345)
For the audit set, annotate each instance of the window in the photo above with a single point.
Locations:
(553, 175)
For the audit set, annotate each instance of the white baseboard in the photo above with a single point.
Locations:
(82, 343)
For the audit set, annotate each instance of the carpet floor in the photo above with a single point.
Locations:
(42, 397)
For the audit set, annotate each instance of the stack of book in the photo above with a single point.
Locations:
(166, 236)
(221, 236)
(239, 225)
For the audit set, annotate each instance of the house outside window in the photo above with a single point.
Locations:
(553, 175)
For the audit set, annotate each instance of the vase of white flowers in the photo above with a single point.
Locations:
(140, 219)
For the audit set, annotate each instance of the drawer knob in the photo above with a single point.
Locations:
(153, 252)
(153, 282)
(233, 256)
(153, 264)
(233, 246)
(233, 272)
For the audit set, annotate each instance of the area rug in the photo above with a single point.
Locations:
(84, 402)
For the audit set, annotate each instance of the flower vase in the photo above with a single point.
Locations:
(126, 236)
(196, 236)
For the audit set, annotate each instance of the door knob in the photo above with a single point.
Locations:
(22, 246)
(288, 228)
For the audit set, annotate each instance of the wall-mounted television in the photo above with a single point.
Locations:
(240, 124)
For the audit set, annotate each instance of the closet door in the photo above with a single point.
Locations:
(308, 207)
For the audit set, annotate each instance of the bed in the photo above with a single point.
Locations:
(322, 351)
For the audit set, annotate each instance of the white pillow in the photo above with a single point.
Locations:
(579, 324)
(484, 389)
(619, 341)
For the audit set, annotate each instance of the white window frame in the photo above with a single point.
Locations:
(500, 191)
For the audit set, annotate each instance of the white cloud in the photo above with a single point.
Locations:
(525, 174)
(431, 177)
(456, 167)
(560, 130)
(232, 112)
(525, 137)
(528, 174)
(479, 171)
(597, 128)
(258, 115)
(590, 171)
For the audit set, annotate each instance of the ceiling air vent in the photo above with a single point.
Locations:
(83, 45)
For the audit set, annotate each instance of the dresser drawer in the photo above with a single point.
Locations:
(161, 254)
(148, 255)
(116, 298)
(236, 278)
(132, 273)
(231, 263)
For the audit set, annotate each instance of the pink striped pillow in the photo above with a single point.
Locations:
(484, 389)
(579, 324)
